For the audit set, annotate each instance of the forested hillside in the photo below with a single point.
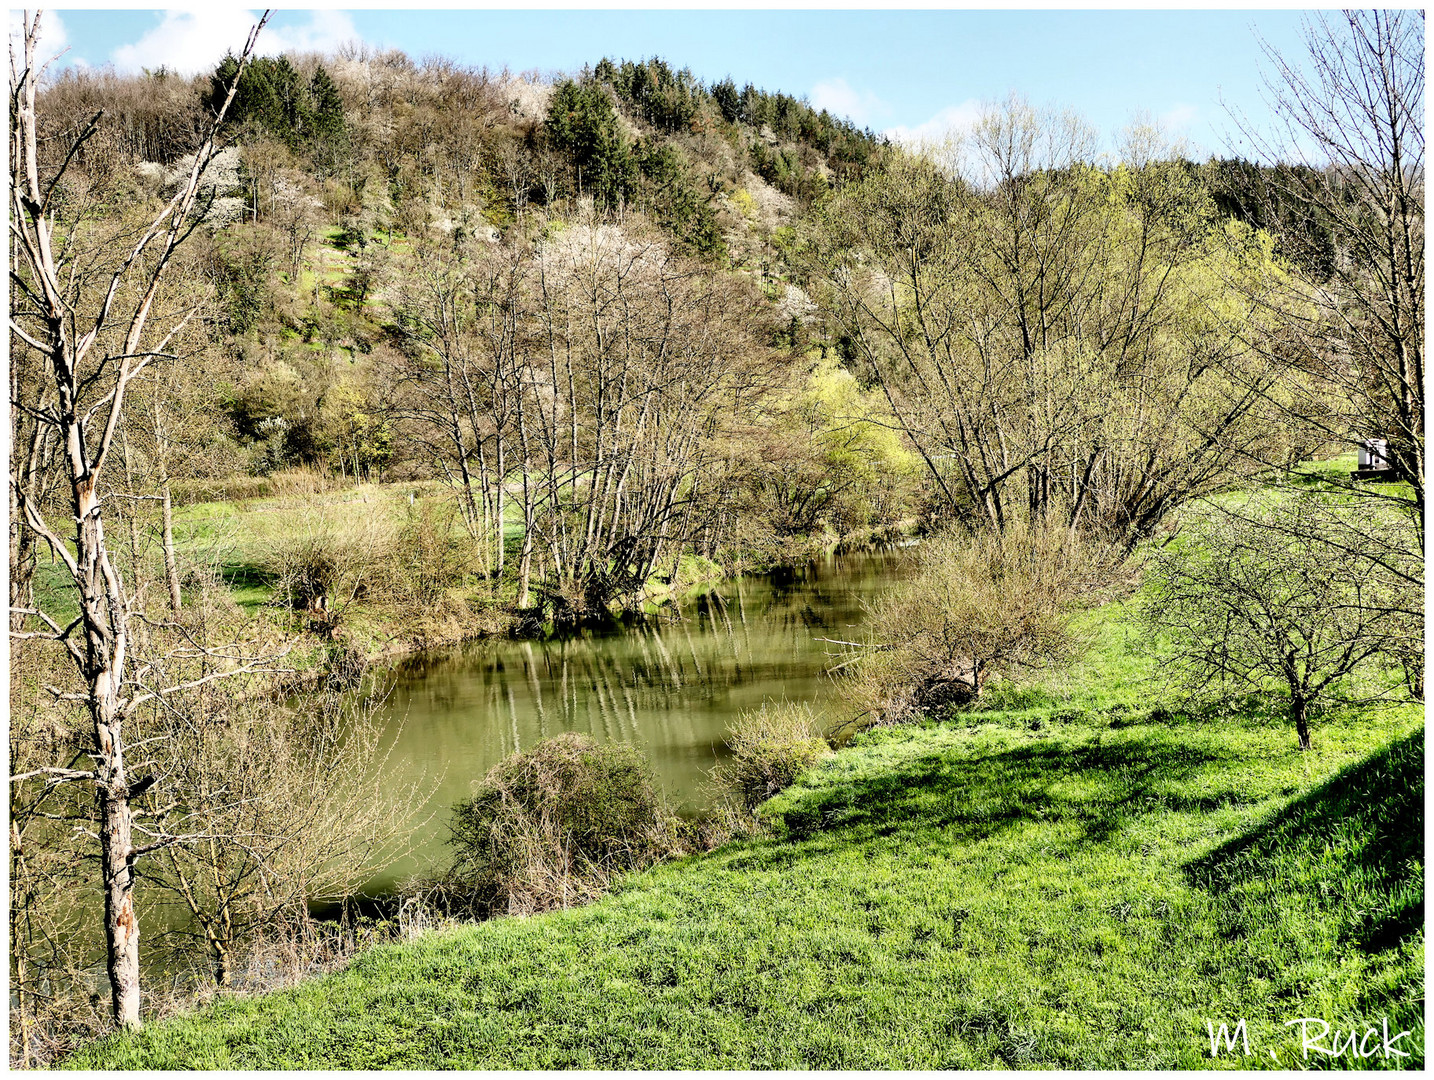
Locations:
(655, 306)
(421, 271)
(318, 359)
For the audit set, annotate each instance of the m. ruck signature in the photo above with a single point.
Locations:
(1357, 1044)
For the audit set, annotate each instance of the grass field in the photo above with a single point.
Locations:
(1081, 878)
(239, 536)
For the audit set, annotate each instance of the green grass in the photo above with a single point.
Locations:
(1319, 472)
(55, 589)
(1081, 875)
(1038, 888)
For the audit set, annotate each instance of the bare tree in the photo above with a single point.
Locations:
(641, 358)
(293, 802)
(590, 374)
(1045, 332)
(1354, 112)
(84, 305)
(459, 309)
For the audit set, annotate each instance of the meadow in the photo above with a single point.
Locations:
(1083, 875)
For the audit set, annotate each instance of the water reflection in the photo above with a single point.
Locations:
(669, 686)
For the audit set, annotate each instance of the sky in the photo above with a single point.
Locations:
(912, 74)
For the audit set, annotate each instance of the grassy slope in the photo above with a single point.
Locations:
(1068, 884)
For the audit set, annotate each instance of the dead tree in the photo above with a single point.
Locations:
(92, 332)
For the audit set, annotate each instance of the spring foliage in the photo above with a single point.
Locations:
(770, 747)
(979, 606)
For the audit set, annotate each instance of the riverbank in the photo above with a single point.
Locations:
(670, 686)
(1082, 877)
(243, 546)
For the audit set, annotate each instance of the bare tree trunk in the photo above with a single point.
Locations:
(22, 568)
(468, 502)
(485, 485)
(87, 437)
(121, 927)
(171, 564)
(19, 984)
(131, 518)
(525, 557)
(161, 454)
(103, 610)
(502, 478)
(223, 974)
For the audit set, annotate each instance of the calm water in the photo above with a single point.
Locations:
(670, 687)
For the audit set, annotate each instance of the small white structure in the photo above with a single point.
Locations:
(1374, 462)
(1374, 454)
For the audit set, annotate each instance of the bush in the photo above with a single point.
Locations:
(770, 748)
(983, 606)
(431, 554)
(306, 571)
(551, 827)
(317, 560)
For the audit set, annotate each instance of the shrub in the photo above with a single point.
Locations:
(770, 748)
(431, 554)
(551, 827)
(335, 561)
(982, 606)
(307, 569)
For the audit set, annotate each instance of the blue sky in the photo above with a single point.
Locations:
(907, 72)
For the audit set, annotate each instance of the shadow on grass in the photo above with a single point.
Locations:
(1097, 788)
(245, 576)
(1357, 840)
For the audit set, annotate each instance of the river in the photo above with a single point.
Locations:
(670, 687)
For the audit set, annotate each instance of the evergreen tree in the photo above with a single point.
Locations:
(672, 201)
(582, 122)
(274, 97)
(728, 101)
(328, 106)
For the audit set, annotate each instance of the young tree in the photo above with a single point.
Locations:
(1275, 595)
(294, 803)
(83, 303)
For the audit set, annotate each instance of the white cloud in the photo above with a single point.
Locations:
(327, 29)
(952, 122)
(840, 99)
(53, 38)
(1179, 118)
(191, 41)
